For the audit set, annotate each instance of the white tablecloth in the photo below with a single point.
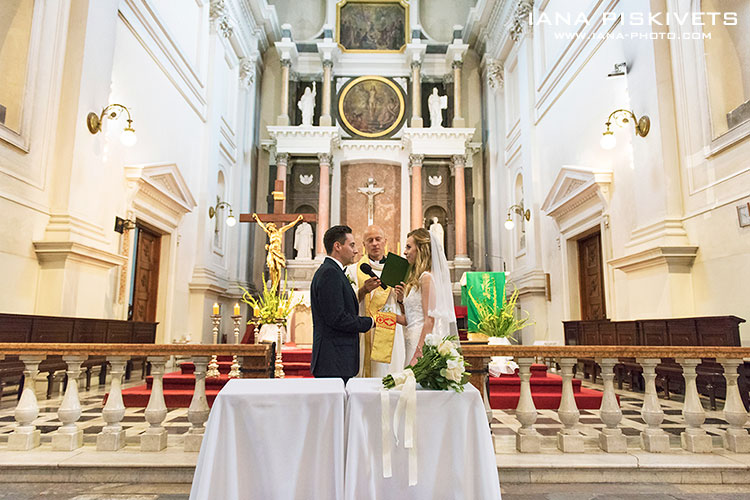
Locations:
(274, 439)
(455, 457)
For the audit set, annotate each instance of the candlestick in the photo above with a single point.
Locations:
(234, 372)
(279, 365)
(236, 308)
(215, 310)
(213, 365)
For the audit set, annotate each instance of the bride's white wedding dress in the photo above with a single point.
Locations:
(414, 322)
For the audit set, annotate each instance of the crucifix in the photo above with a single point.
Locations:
(275, 260)
(370, 191)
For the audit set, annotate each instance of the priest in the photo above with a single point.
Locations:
(373, 298)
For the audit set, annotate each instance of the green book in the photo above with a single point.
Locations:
(394, 270)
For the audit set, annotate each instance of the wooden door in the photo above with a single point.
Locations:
(591, 277)
(146, 280)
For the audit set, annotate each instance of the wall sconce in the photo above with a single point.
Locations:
(526, 214)
(94, 122)
(621, 117)
(122, 225)
(231, 221)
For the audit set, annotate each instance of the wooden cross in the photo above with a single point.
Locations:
(278, 214)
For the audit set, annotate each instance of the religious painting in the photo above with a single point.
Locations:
(371, 106)
(372, 25)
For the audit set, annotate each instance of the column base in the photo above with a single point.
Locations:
(737, 441)
(154, 442)
(459, 123)
(22, 441)
(416, 122)
(696, 443)
(655, 443)
(110, 441)
(326, 121)
(613, 442)
(193, 442)
(569, 443)
(67, 441)
(529, 443)
(282, 120)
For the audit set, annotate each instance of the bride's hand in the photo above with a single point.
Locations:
(414, 359)
(399, 289)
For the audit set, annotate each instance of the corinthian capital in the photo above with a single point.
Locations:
(520, 25)
(495, 75)
(324, 158)
(247, 71)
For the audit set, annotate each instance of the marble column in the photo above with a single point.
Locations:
(324, 201)
(283, 118)
(416, 95)
(415, 172)
(325, 112)
(458, 120)
(282, 161)
(459, 161)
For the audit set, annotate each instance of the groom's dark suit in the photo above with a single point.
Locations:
(336, 323)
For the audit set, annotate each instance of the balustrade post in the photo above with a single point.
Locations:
(694, 439)
(736, 438)
(653, 439)
(69, 436)
(569, 439)
(528, 439)
(26, 436)
(611, 438)
(112, 436)
(155, 437)
(198, 411)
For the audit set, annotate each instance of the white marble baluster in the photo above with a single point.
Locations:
(694, 439)
(155, 437)
(26, 436)
(112, 436)
(736, 438)
(653, 438)
(528, 439)
(198, 411)
(569, 439)
(69, 436)
(611, 438)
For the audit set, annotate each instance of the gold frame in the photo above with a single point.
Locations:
(399, 92)
(407, 27)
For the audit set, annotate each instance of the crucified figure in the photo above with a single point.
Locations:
(275, 259)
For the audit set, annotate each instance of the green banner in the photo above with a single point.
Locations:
(484, 286)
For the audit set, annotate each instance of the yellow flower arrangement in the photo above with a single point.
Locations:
(271, 306)
(498, 322)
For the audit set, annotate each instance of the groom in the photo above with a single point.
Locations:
(336, 323)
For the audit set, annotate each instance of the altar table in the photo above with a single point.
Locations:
(273, 439)
(455, 456)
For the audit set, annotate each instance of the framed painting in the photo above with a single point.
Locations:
(371, 106)
(372, 25)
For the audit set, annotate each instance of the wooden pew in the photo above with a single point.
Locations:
(63, 329)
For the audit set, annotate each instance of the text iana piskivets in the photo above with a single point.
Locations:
(636, 18)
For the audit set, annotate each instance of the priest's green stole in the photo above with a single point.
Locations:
(484, 286)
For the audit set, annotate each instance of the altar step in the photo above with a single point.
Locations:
(546, 391)
(178, 386)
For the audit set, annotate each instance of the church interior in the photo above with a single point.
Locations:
(595, 152)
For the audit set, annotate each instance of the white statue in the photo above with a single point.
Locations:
(436, 103)
(306, 104)
(303, 241)
(437, 229)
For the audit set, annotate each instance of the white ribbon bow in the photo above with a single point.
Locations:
(406, 406)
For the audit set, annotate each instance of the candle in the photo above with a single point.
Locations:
(256, 312)
(236, 308)
(216, 309)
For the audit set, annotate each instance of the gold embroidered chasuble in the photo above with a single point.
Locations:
(374, 301)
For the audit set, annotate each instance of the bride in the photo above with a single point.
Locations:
(425, 298)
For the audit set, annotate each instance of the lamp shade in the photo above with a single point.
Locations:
(509, 225)
(608, 140)
(128, 137)
(231, 221)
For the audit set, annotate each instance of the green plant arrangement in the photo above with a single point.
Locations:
(271, 306)
(498, 321)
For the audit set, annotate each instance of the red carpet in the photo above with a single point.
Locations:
(546, 390)
(178, 386)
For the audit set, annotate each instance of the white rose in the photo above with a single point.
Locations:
(452, 364)
(455, 374)
(445, 347)
(431, 339)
